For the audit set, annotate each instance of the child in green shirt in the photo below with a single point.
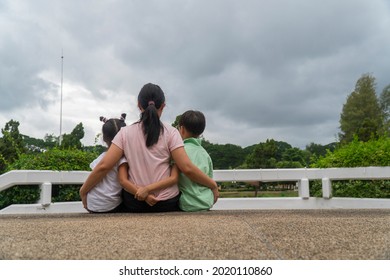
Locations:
(195, 197)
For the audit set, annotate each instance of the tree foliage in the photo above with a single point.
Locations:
(320, 150)
(73, 140)
(315, 151)
(224, 156)
(11, 144)
(375, 152)
(55, 159)
(384, 101)
(275, 154)
(38, 145)
(361, 114)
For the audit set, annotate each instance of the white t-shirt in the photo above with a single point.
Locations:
(106, 195)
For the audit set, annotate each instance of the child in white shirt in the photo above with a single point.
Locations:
(106, 196)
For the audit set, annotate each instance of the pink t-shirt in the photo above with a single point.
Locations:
(149, 165)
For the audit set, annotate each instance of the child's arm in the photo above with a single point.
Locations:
(143, 192)
(151, 200)
(123, 177)
(130, 186)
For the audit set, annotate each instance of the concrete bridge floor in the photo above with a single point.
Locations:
(212, 235)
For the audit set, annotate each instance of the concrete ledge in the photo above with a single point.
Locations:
(300, 203)
(224, 204)
(52, 208)
(211, 235)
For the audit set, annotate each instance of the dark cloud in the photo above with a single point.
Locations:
(258, 69)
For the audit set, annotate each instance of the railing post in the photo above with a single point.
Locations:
(303, 188)
(326, 188)
(45, 195)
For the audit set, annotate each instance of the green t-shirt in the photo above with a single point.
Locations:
(195, 197)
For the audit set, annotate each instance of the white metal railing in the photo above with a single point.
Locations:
(45, 179)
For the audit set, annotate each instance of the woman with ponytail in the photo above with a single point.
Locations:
(149, 147)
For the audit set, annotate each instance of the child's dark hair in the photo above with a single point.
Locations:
(111, 127)
(150, 99)
(193, 121)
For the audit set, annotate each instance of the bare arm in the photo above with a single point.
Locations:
(185, 165)
(143, 192)
(123, 177)
(112, 156)
(130, 187)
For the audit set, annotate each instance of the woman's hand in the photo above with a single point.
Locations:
(142, 193)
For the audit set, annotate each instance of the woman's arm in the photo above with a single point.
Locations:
(185, 165)
(143, 192)
(112, 156)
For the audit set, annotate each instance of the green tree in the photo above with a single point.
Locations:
(226, 156)
(50, 141)
(292, 158)
(315, 151)
(262, 156)
(11, 144)
(384, 101)
(33, 144)
(361, 114)
(275, 154)
(38, 145)
(320, 150)
(73, 140)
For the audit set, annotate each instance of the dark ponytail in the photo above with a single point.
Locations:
(150, 99)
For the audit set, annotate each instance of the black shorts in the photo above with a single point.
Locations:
(131, 204)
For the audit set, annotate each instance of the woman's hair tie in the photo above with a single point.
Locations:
(103, 119)
(151, 103)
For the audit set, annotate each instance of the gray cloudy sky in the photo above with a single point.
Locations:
(258, 69)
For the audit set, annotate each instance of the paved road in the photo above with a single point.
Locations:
(213, 235)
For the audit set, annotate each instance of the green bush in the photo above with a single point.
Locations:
(357, 154)
(19, 195)
(354, 188)
(54, 159)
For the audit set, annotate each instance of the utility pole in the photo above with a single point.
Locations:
(62, 76)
